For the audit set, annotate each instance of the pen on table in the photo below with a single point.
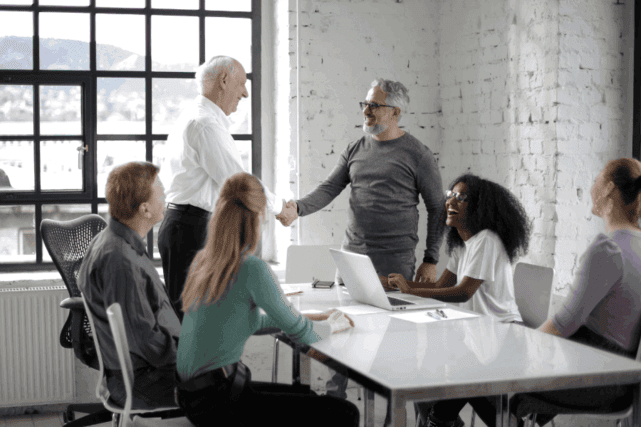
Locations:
(441, 313)
(432, 315)
(293, 293)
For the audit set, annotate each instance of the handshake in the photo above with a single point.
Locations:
(288, 214)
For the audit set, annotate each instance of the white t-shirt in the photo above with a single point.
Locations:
(484, 258)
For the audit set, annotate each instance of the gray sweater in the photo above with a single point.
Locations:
(386, 178)
(606, 293)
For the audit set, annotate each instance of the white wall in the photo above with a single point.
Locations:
(528, 94)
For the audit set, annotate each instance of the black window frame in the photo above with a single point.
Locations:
(88, 80)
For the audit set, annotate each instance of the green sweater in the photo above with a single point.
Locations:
(214, 335)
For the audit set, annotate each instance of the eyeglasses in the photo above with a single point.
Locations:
(460, 197)
(372, 105)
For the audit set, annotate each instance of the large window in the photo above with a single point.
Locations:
(86, 85)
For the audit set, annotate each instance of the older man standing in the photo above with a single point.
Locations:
(201, 155)
(387, 169)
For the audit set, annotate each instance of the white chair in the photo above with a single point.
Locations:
(305, 263)
(117, 325)
(102, 392)
(532, 291)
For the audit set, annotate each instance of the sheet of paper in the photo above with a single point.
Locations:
(357, 309)
(421, 316)
(288, 289)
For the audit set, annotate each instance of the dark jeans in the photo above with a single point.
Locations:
(266, 404)
(180, 237)
(152, 388)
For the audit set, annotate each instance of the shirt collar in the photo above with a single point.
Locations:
(214, 110)
(128, 234)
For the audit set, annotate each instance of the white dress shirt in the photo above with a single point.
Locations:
(200, 155)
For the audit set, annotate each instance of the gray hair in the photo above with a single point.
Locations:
(396, 93)
(210, 69)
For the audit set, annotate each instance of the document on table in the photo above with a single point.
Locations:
(422, 316)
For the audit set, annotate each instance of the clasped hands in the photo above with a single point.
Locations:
(288, 214)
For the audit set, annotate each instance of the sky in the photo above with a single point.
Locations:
(174, 38)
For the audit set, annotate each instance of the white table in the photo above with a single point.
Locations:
(405, 361)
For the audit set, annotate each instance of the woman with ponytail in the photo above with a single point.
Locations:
(223, 292)
(603, 308)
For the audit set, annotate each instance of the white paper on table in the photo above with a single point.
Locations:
(288, 289)
(357, 309)
(421, 316)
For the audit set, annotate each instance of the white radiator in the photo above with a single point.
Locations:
(34, 368)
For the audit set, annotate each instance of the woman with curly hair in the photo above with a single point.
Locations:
(489, 229)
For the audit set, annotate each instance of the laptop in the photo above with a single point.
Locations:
(364, 286)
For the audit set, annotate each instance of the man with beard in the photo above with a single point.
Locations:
(387, 169)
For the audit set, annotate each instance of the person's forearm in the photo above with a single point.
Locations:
(435, 228)
(320, 197)
(453, 294)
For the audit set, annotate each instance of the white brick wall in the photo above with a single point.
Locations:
(528, 94)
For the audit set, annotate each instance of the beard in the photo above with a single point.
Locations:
(374, 130)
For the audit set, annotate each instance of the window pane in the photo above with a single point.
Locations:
(120, 42)
(59, 165)
(16, 166)
(173, 4)
(16, 110)
(64, 41)
(60, 110)
(17, 233)
(16, 40)
(174, 43)
(64, 3)
(62, 213)
(230, 5)
(121, 106)
(231, 37)
(121, 3)
(170, 96)
(114, 153)
(245, 150)
(241, 119)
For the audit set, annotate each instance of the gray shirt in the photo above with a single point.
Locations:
(117, 268)
(386, 178)
(606, 293)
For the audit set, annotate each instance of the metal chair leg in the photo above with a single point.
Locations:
(360, 393)
(275, 362)
(473, 418)
(533, 420)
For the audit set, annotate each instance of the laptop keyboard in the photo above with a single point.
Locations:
(395, 301)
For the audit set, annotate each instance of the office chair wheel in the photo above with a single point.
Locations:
(68, 416)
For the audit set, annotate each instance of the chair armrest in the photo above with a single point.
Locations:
(73, 303)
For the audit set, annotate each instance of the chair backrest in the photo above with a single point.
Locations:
(117, 325)
(533, 289)
(102, 392)
(67, 243)
(308, 262)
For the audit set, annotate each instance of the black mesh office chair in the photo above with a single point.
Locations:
(67, 243)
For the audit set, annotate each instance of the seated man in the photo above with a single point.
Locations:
(117, 268)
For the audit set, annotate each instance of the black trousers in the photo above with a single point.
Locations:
(262, 404)
(180, 237)
(152, 387)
